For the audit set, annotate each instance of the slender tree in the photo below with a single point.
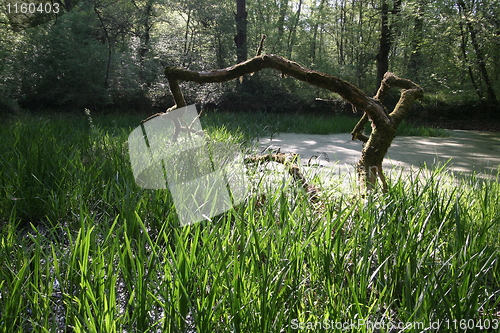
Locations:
(465, 12)
(317, 21)
(241, 31)
(283, 8)
(416, 61)
(293, 30)
(386, 36)
(143, 31)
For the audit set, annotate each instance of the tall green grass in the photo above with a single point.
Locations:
(260, 124)
(85, 250)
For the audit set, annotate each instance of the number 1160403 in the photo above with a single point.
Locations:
(32, 8)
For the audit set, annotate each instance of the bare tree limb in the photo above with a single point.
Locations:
(348, 91)
(384, 123)
(289, 161)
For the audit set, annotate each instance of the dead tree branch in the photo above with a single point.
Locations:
(384, 123)
(349, 92)
(289, 160)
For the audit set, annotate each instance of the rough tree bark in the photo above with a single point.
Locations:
(384, 123)
(386, 37)
(241, 31)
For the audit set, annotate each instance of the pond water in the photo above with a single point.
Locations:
(464, 152)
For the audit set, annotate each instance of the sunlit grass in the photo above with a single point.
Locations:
(264, 124)
(85, 250)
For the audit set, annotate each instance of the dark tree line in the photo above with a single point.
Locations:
(110, 53)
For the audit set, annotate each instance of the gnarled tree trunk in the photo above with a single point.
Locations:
(384, 123)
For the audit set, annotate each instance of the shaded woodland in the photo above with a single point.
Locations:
(110, 54)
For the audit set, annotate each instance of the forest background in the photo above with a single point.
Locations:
(110, 54)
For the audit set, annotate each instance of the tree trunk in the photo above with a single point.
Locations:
(467, 62)
(110, 47)
(415, 62)
(481, 62)
(145, 37)
(384, 43)
(281, 24)
(293, 31)
(341, 32)
(241, 31)
(316, 26)
(220, 50)
(384, 124)
(186, 50)
(360, 49)
(386, 34)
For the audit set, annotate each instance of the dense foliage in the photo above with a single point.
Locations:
(110, 53)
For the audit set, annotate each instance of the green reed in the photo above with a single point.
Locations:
(85, 250)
